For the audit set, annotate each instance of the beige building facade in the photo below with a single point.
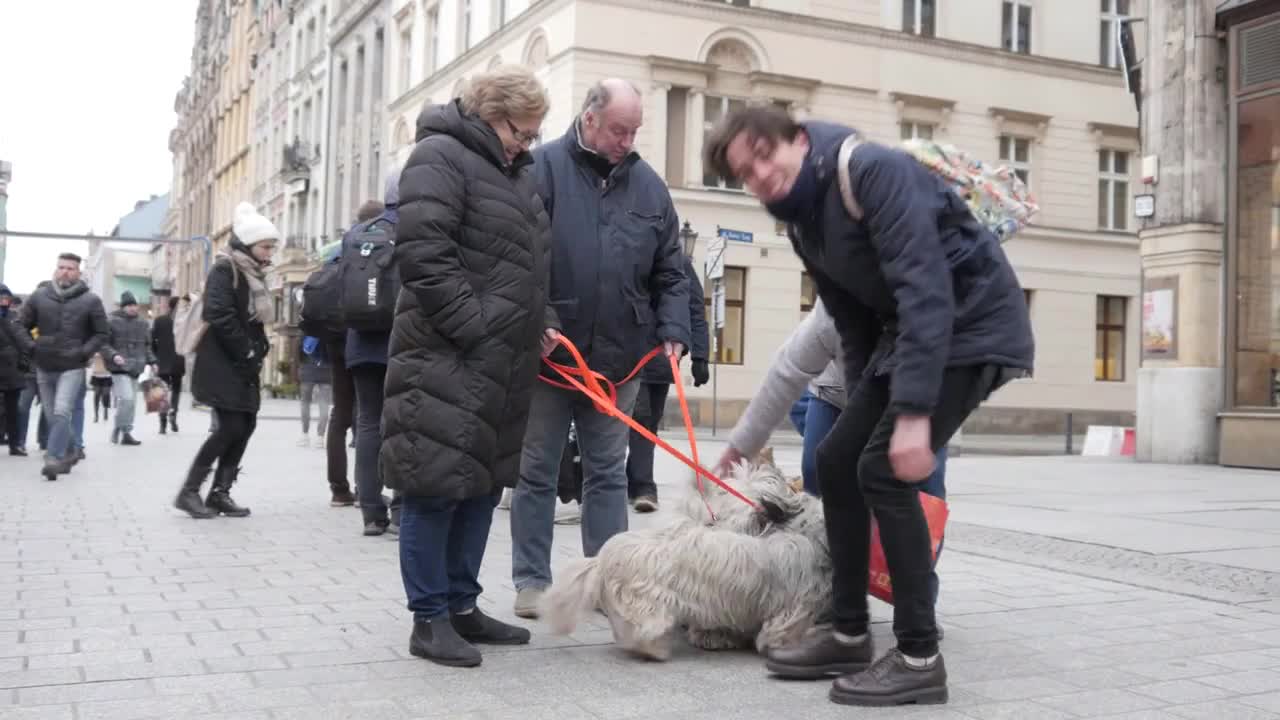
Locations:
(1029, 83)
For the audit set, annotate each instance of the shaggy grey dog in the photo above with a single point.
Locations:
(754, 576)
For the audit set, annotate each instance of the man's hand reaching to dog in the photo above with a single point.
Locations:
(727, 459)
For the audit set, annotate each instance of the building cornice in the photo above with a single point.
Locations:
(800, 25)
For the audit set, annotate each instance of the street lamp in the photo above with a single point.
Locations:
(689, 238)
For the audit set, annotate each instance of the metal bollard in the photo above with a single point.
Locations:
(1070, 436)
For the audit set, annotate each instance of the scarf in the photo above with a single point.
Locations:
(261, 308)
(803, 195)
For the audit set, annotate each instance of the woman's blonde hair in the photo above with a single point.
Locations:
(505, 92)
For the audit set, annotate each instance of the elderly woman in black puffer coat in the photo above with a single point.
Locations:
(473, 249)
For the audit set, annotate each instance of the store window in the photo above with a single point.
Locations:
(1257, 249)
(1108, 363)
(730, 344)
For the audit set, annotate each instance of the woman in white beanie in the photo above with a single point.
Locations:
(229, 361)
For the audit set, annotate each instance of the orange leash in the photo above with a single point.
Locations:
(605, 396)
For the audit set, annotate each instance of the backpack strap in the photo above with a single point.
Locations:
(847, 147)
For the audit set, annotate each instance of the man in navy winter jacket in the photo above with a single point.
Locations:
(617, 284)
(931, 321)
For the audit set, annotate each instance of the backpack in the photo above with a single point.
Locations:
(189, 329)
(321, 315)
(996, 196)
(369, 280)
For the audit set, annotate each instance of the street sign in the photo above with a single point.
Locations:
(715, 258)
(735, 235)
(717, 305)
(1144, 206)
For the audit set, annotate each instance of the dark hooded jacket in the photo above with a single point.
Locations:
(130, 338)
(71, 325)
(617, 270)
(13, 358)
(918, 285)
(472, 247)
(229, 357)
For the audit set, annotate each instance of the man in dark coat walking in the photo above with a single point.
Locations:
(655, 383)
(931, 320)
(171, 365)
(72, 326)
(618, 286)
(126, 354)
(13, 376)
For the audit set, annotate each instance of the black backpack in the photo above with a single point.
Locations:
(321, 315)
(369, 280)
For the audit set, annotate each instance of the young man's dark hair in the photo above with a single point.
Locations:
(931, 321)
(764, 125)
(70, 256)
(369, 210)
(173, 302)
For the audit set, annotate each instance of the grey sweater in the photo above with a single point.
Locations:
(810, 356)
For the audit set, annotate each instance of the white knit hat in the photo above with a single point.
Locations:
(251, 227)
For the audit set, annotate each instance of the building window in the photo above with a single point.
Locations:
(1015, 26)
(1109, 354)
(433, 39)
(729, 345)
(1113, 190)
(918, 17)
(1016, 153)
(916, 131)
(406, 59)
(466, 25)
(808, 293)
(1255, 342)
(500, 12)
(716, 108)
(1113, 12)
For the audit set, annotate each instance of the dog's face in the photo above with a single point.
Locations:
(781, 508)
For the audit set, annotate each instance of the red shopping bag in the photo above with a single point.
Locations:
(935, 514)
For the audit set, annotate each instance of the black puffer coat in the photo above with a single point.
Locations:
(130, 338)
(72, 326)
(14, 360)
(164, 347)
(229, 356)
(473, 247)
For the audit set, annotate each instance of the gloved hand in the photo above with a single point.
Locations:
(701, 373)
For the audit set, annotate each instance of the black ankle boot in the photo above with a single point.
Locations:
(173, 421)
(164, 423)
(436, 640)
(219, 500)
(188, 500)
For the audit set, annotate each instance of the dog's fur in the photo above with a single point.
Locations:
(753, 576)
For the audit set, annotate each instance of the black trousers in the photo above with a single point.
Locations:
(225, 446)
(858, 482)
(650, 404)
(340, 417)
(10, 409)
(175, 392)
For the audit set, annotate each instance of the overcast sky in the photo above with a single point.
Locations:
(86, 106)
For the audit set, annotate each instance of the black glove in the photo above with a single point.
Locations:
(701, 373)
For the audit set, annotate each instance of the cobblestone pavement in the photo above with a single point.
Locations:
(1070, 589)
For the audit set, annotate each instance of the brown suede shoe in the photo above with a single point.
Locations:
(820, 656)
(891, 681)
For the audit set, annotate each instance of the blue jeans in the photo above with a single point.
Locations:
(819, 418)
(442, 544)
(25, 400)
(124, 393)
(61, 393)
(799, 410)
(603, 442)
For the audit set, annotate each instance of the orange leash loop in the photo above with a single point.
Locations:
(607, 404)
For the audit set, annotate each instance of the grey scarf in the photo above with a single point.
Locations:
(261, 308)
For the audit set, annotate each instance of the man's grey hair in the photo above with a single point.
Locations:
(600, 94)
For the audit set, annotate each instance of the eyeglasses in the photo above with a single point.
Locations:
(522, 137)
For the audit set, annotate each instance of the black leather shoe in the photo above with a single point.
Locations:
(437, 641)
(820, 656)
(477, 627)
(891, 681)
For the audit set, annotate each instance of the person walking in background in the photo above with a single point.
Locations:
(71, 325)
(619, 287)
(315, 377)
(127, 353)
(366, 358)
(231, 351)
(171, 366)
(473, 248)
(100, 384)
(13, 366)
(655, 383)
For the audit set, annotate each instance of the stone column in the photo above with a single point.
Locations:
(693, 137)
(657, 123)
(1184, 126)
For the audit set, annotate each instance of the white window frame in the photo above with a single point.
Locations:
(406, 59)
(433, 39)
(1018, 6)
(708, 125)
(1008, 151)
(465, 15)
(1111, 19)
(910, 130)
(918, 6)
(1111, 178)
